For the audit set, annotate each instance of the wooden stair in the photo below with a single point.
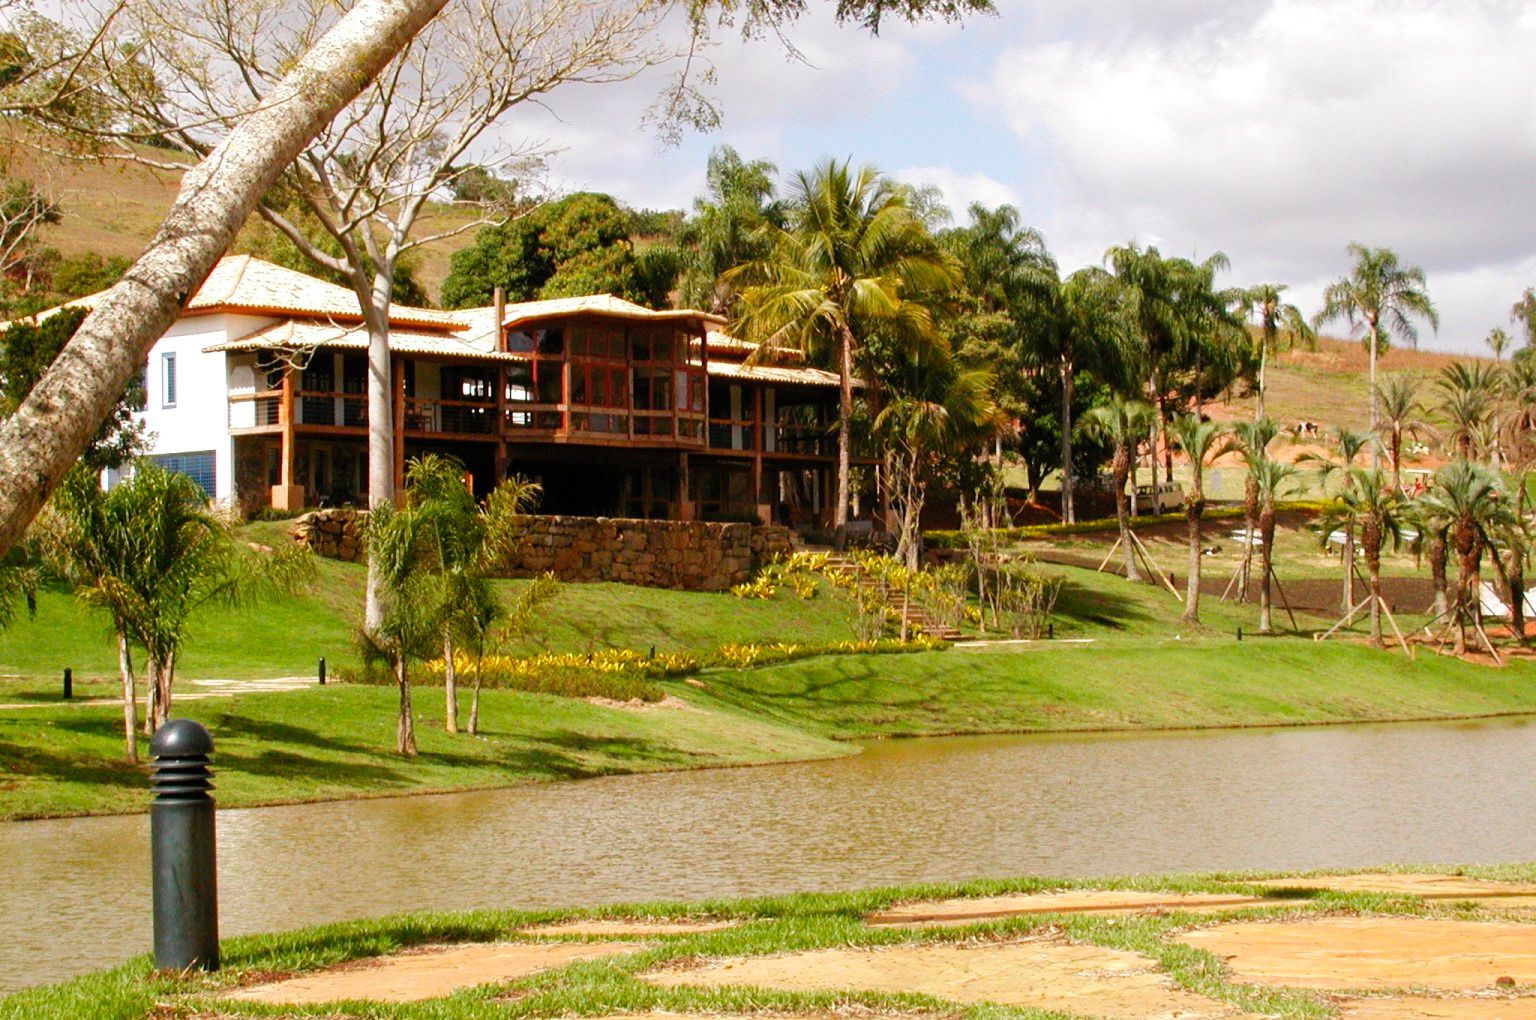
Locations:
(918, 620)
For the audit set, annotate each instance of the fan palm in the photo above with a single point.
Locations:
(1469, 394)
(1198, 440)
(1467, 501)
(1121, 423)
(1382, 297)
(1498, 341)
(1278, 321)
(1375, 510)
(1401, 415)
(854, 257)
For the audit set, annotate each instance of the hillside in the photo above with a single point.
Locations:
(113, 208)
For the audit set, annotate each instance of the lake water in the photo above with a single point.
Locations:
(77, 890)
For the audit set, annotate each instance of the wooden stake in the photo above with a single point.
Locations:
(1110, 555)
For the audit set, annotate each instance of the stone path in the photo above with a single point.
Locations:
(969, 910)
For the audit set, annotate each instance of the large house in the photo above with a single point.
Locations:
(259, 391)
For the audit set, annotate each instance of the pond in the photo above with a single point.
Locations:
(77, 890)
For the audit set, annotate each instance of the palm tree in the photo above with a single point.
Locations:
(1278, 320)
(726, 229)
(1397, 401)
(1347, 445)
(1498, 341)
(1466, 500)
(855, 257)
(1198, 441)
(1523, 314)
(933, 410)
(1468, 394)
(1122, 423)
(1368, 505)
(1250, 440)
(1270, 477)
(466, 541)
(1384, 299)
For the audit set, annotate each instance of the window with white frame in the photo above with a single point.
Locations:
(168, 380)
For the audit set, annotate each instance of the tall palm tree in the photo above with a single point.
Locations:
(1198, 440)
(726, 229)
(1383, 298)
(1367, 505)
(1466, 499)
(1271, 477)
(1523, 314)
(1346, 446)
(1121, 423)
(1278, 321)
(1402, 415)
(1250, 440)
(855, 257)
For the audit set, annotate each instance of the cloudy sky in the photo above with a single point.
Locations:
(1276, 131)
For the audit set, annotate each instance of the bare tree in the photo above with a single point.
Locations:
(40, 442)
(369, 177)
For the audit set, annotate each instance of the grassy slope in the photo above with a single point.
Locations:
(611, 986)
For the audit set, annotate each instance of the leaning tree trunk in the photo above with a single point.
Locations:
(1437, 556)
(54, 424)
(130, 699)
(405, 724)
(374, 293)
(1122, 514)
(1371, 536)
(1266, 551)
(450, 687)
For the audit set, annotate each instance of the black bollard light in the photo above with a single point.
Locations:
(69, 683)
(322, 671)
(1239, 633)
(185, 886)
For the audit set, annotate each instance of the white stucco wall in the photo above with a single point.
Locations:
(199, 419)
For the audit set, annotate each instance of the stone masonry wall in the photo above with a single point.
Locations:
(689, 555)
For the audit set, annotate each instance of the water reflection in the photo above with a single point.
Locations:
(904, 811)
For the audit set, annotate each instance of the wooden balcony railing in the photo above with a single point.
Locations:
(255, 410)
(450, 417)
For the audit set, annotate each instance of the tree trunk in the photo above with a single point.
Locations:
(1516, 573)
(1258, 412)
(1250, 529)
(1266, 552)
(844, 430)
(474, 699)
(130, 698)
(1466, 580)
(1347, 597)
(53, 425)
(450, 687)
(151, 693)
(1068, 511)
(1375, 448)
(1122, 515)
(1437, 560)
(1371, 536)
(405, 724)
(381, 424)
(1194, 508)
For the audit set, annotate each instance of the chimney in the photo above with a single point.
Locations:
(499, 300)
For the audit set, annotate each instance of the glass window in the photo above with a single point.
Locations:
(550, 341)
(547, 381)
(520, 382)
(168, 380)
(197, 466)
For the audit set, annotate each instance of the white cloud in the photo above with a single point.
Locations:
(1280, 132)
(959, 190)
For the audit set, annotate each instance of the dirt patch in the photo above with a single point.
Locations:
(1434, 888)
(1096, 901)
(641, 705)
(1374, 952)
(429, 973)
(1042, 973)
(1422, 1008)
(618, 927)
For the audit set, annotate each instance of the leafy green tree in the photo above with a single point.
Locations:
(1383, 298)
(581, 244)
(727, 229)
(1523, 314)
(853, 259)
(1369, 505)
(1198, 439)
(1280, 323)
(28, 348)
(1122, 423)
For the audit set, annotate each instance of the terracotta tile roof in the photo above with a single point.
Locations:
(603, 305)
(301, 333)
(244, 283)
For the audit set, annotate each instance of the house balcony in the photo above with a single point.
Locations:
(735, 435)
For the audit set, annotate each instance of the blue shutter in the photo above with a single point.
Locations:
(197, 466)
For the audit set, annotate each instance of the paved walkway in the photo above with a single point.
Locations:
(190, 690)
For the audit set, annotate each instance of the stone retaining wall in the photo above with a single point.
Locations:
(689, 555)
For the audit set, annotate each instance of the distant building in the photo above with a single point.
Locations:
(259, 392)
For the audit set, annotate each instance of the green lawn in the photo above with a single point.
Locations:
(612, 985)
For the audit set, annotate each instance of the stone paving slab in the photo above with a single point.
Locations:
(1484, 892)
(969, 910)
(1422, 1008)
